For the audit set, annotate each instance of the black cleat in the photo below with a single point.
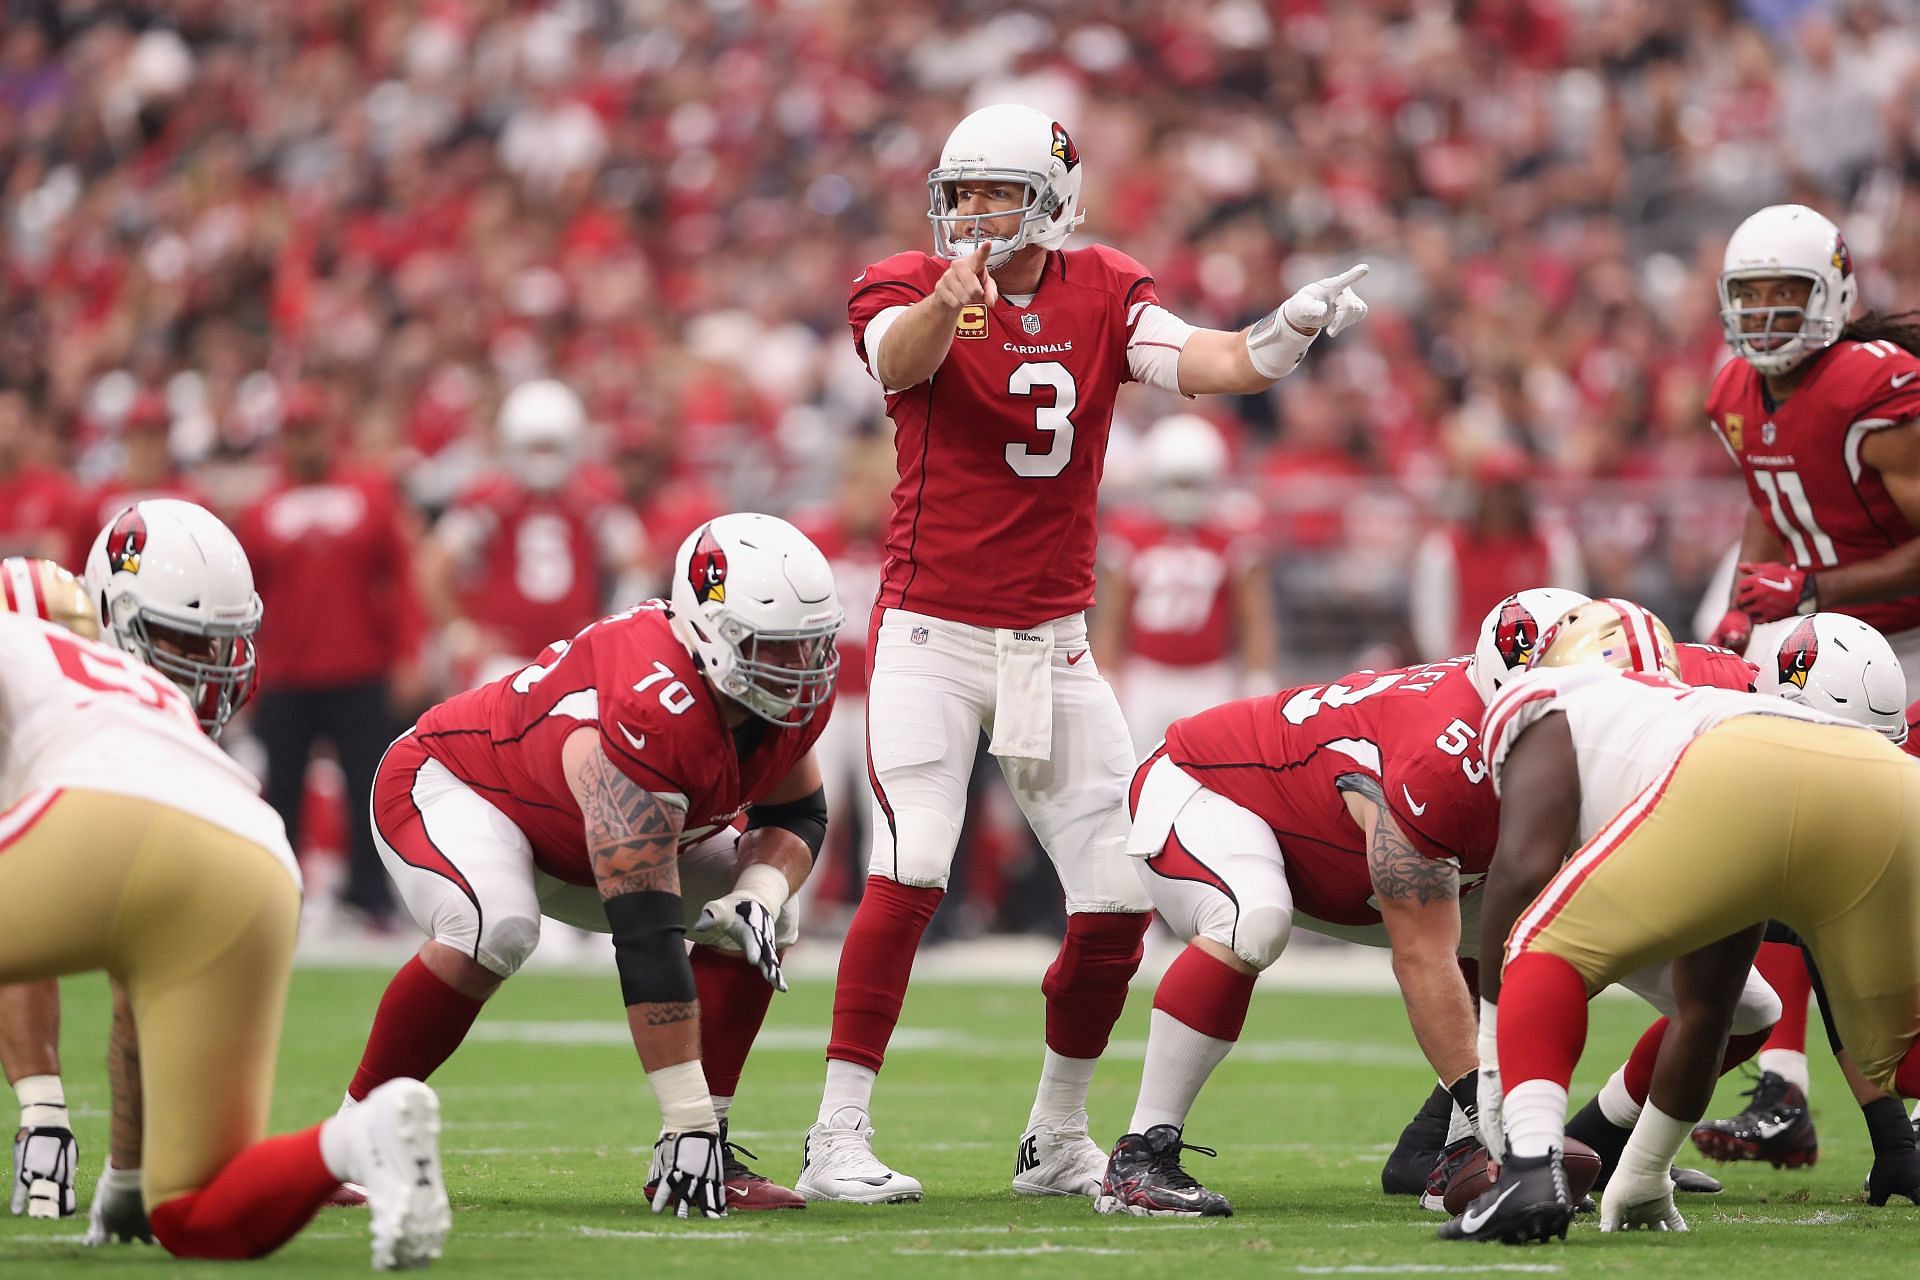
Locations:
(1144, 1178)
(1407, 1169)
(1775, 1126)
(1528, 1203)
(1696, 1182)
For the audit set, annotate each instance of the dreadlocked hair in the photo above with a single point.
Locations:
(1901, 328)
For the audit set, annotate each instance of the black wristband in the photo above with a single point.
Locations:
(649, 929)
(1466, 1094)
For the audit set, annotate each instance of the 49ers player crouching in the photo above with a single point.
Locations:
(1001, 354)
(599, 787)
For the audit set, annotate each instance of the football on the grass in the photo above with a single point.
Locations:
(1582, 1164)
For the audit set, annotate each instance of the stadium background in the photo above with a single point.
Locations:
(236, 231)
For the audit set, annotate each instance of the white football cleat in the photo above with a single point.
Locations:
(1059, 1160)
(396, 1154)
(838, 1164)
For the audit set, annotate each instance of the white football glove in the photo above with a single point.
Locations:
(1633, 1202)
(44, 1158)
(747, 921)
(1329, 304)
(118, 1215)
(688, 1172)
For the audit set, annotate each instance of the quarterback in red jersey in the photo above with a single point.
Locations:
(1185, 601)
(1822, 414)
(529, 552)
(1001, 354)
(600, 786)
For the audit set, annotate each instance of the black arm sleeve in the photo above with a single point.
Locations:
(649, 929)
(805, 817)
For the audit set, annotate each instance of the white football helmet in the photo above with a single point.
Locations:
(1013, 144)
(1511, 630)
(1185, 460)
(1835, 664)
(1788, 240)
(42, 589)
(543, 428)
(754, 602)
(174, 589)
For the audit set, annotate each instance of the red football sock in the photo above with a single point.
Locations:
(1785, 968)
(1741, 1049)
(1086, 985)
(1206, 994)
(1906, 1078)
(420, 1022)
(1543, 1019)
(733, 1004)
(1639, 1074)
(875, 962)
(255, 1204)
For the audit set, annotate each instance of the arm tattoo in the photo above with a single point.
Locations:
(661, 1015)
(632, 834)
(1401, 873)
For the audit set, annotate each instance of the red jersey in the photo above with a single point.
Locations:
(1708, 666)
(657, 720)
(1414, 730)
(1912, 745)
(856, 579)
(1180, 582)
(1001, 451)
(530, 562)
(333, 563)
(36, 513)
(1801, 459)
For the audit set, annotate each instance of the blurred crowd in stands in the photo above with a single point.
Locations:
(290, 257)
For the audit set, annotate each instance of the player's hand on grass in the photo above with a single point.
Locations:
(689, 1170)
(1634, 1202)
(966, 281)
(44, 1157)
(118, 1215)
(746, 920)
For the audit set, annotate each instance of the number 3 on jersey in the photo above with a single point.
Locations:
(1053, 418)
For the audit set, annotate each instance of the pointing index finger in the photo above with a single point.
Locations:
(1349, 276)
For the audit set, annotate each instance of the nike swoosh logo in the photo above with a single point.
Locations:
(639, 743)
(872, 1182)
(1076, 657)
(1773, 1128)
(1902, 380)
(1418, 809)
(1784, 584)
(862, 276)
(1471, 1222)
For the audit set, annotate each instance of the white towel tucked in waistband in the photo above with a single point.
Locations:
(1023, 699)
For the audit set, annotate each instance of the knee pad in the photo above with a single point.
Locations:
(1759, 1009)
(1262, 935)
(916, 848)
(506, 943)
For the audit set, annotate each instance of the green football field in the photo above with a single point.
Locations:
(548, 1122)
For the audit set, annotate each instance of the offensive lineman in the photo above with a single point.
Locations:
(1001, 354)
(599, 786)
(134, 845)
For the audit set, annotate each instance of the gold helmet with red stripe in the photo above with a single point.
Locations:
(42, 589)
(1611, 632)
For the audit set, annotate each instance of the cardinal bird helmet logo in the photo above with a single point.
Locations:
(126, 540)
(1797, 654)
(707, 571)
(1516, 634)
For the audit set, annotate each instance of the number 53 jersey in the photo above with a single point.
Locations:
(1802, 461)
(629, 679)
(1415, 731)
(1000, 452)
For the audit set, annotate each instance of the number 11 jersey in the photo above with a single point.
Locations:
(1000, 452)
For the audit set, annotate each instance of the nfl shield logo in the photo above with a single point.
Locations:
(918, 635)
(1766, 435)
(1031, 323)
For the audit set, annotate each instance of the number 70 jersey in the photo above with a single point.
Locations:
(1000, 452)
(1414, 730)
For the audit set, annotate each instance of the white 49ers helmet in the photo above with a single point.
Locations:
(1610, 632)
(1510, 633)
(175, 590)
(1186, 459)
(543, 427)
(42, 589)
(1012, 144)
(754, 602)
(1795, 241)
(1835, 664)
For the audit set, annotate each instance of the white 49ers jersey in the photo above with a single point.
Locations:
(78, 714)
(1628, 728)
